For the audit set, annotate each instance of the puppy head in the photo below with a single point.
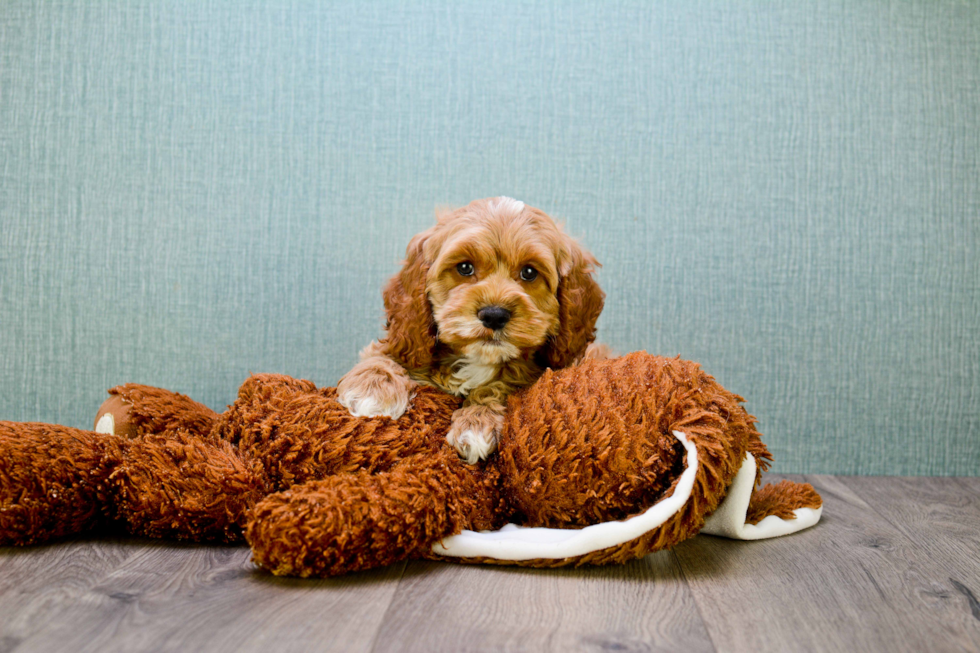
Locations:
(494, 280)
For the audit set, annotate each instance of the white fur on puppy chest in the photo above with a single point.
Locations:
(471, 374)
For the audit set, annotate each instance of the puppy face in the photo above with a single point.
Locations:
(493, 281)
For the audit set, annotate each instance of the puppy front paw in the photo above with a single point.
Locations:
(376, 387)
(474, 432)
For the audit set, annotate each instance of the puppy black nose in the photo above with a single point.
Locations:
(493, 317)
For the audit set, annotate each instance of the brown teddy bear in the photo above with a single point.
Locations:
(598, 463)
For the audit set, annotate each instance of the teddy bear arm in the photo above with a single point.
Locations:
(298, 432)
(356, 521)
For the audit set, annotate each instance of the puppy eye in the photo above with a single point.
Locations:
(528, 273)
(465, 269)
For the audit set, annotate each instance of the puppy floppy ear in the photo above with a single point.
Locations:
(411, 328)
(580, 301)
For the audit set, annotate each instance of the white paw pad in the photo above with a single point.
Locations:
(473, 446)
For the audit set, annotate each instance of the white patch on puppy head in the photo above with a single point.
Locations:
(508, 204)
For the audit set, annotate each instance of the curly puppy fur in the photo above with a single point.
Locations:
(488, 298)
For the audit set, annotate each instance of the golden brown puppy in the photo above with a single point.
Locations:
(488, 298)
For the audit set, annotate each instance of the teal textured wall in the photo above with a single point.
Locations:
(786, 192)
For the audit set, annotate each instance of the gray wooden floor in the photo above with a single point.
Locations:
(893, 566)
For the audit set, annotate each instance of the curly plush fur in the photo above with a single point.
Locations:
(316, 491)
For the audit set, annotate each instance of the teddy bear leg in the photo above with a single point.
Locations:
(54, 480)
(133, 410)
(357, 521)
